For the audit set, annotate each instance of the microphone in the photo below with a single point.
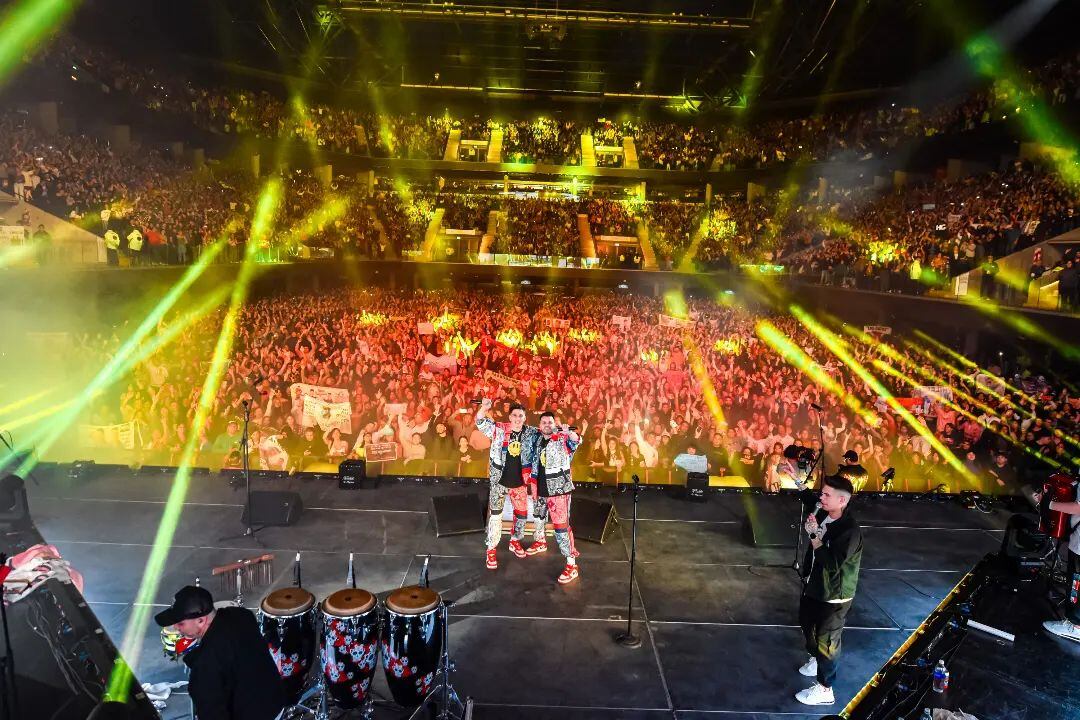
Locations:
(636, 479)
(814, 535)
(815, 406)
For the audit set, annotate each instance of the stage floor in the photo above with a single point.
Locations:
(717, 616)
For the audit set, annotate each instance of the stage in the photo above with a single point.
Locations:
(717, 615)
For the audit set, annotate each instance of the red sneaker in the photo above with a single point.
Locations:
(515, 547)
(492, 563)
(569, 574)
(536, 548)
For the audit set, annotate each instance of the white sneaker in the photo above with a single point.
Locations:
(810, 668)
(816, 694)
(1063, 628)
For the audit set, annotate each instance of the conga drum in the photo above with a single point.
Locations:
(287, 622)
(350, 645)
(412, 643)
(1059, 487)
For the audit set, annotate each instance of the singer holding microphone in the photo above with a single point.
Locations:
(831, 573)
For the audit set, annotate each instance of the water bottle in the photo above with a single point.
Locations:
(941, 677)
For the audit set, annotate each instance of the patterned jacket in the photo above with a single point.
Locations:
(556, 460)
(499, 434)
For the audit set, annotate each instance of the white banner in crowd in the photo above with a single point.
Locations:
(425, 328)
(1030, 227)
(932, 395)
(439, 363)
(621, 321)
(556, 324)
(11, 235)
(503, 380)
(877, 329)
(327, 415)
(109, 436)
(299, 392)
(673, 322)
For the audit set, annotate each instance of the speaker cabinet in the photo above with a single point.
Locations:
(697, 485)
(458, 514)
(591, 520)
(273, 507)
(352, 474)
(772, 520)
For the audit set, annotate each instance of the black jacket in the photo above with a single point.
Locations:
(832, 571)
(233, 676)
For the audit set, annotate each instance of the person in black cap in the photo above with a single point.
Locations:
(233, 676)
(853, 471)
(831, 570)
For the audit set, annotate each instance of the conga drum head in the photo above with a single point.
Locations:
(347, 603)
(414, 600)
(285, 602)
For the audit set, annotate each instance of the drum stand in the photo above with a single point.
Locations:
(443, 693)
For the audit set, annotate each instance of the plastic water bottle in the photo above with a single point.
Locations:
(941, 677)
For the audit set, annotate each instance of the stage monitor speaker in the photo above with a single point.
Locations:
(14, 507)
(697, 485)
(591, 520)
(273, 507)
(458, 514)
(771, 519)
(1024, 546)
(352, 474)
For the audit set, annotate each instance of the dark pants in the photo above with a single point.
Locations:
(822, 624)
(1072, 575)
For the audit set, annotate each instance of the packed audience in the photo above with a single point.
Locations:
(666, 145)
(633, 382)
(925, 235)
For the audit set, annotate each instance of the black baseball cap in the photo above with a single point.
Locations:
(189, 602)
(852, 456)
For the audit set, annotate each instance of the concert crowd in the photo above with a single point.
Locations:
(641, 394)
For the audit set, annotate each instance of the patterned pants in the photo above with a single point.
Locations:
(558, 510)
(519, 498)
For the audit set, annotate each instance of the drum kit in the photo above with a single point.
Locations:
(344, 636)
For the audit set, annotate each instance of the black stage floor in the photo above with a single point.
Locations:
(718, 616)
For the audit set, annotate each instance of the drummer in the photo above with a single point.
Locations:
(232, 674)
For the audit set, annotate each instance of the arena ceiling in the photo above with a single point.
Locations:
(715, 52)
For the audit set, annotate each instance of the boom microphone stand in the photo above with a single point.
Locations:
(249, 531)
(629, 639)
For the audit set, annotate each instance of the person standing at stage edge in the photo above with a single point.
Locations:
(831, 568)
(507, 473)
(549, 460)
(233, 676)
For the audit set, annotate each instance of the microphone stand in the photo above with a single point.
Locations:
(796, 563)
(249, 531)
(629, 639)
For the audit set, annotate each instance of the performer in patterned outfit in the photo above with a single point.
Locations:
(549, 456)
(508, 474)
